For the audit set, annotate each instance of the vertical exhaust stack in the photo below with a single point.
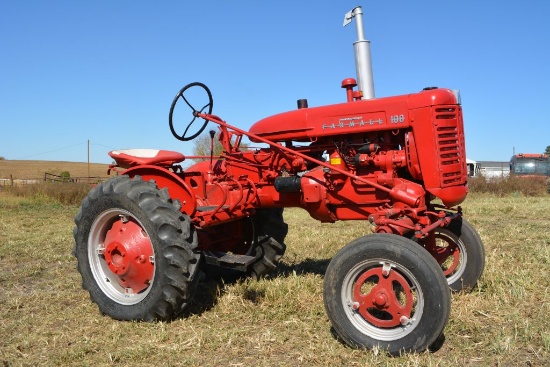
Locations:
(363, 63)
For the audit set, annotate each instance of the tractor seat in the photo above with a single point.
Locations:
(137, 157)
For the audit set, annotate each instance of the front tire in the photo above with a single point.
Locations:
(383, 291)
(460, 252)
(134, 250)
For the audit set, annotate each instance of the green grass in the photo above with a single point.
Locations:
(47, 319)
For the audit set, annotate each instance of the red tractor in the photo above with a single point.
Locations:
(399, 162)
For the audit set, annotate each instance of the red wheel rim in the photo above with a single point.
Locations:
(448, 255)
(383, 297)
(129, 255)
(445, 250)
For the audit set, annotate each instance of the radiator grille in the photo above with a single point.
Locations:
(450, 145)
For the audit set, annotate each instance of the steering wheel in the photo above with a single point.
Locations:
(207, 107)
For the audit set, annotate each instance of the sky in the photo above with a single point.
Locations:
(106, 72)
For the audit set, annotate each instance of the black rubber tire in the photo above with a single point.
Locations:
(171, 236)
(415, 265)
(269, 232)
(471, 242)
(472, 253)
(269, 245)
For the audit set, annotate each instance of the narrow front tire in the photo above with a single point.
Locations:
(384, 291)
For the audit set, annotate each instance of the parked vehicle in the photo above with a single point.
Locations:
(530, 165)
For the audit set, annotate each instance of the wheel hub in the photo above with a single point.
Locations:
(383, 297)
(129, 255)
(380, 300)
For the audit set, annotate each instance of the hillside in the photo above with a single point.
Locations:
(19, 169)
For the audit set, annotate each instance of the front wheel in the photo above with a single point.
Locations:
(383, 291)
(459, 251)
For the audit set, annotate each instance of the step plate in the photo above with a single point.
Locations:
(226, 260)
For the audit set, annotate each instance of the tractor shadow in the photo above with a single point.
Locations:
(308, 266)
(211, 289)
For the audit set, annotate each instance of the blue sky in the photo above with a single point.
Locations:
(107, 71)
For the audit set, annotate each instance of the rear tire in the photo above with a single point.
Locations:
(269, 245)
(383, 291)
(263, 239)
(134, 250)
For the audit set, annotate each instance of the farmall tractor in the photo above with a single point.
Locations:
(143, 237)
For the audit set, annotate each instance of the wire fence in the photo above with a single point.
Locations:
(49, 177)
(17, 181)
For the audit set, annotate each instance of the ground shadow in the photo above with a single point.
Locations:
(308, 266)
(206, 296)
(437, 344)
(211, 288)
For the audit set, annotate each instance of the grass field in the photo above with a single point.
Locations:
(47, 319)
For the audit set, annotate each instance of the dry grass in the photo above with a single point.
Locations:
(47, 319)
(35, 169)
(528, 186)
(62, 192)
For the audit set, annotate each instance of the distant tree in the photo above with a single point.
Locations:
(65, 176)
(203, 143)
(2, 158)
(547, 150)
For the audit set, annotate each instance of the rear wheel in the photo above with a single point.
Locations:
(269, 246)
(383, 291)
(260, 238)
(135, 250)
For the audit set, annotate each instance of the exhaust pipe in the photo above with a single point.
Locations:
(363, 62)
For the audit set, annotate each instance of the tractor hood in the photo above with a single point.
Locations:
(307, 124)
